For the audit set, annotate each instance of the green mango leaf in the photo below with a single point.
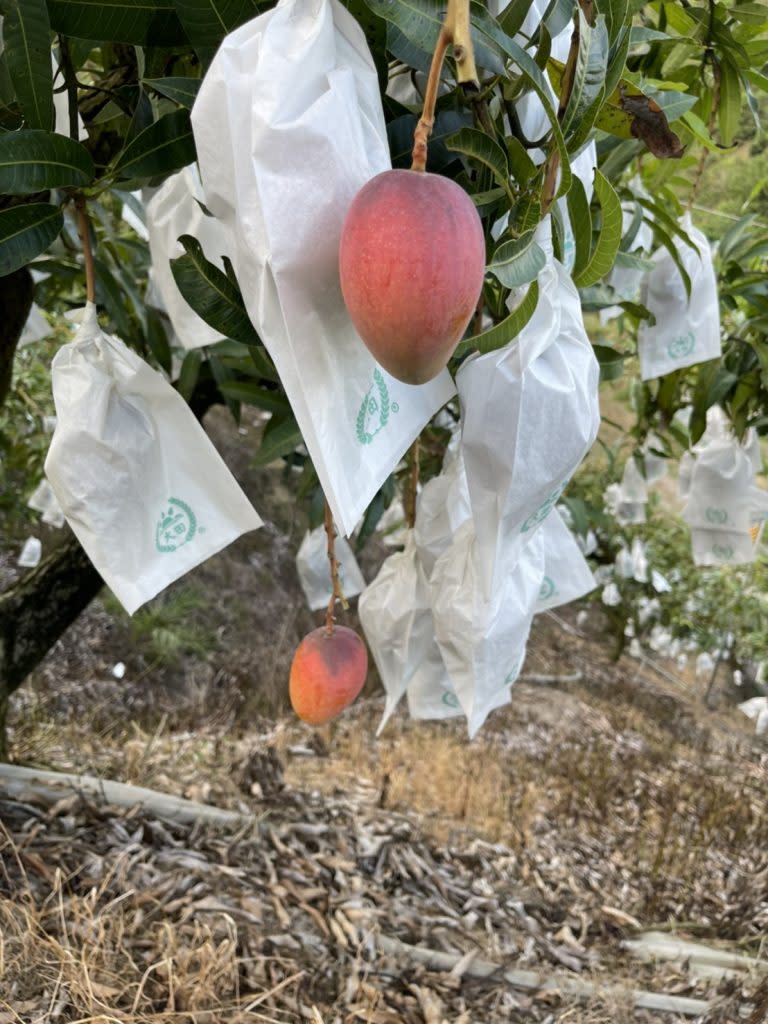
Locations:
(520, 164)
(35, 160)
(167, 145)
(517, 262)
(109, 294)
(256, 394)
(589, 74)
(180, 90)
(481, 147)
(729, 107)
(211, 294)
(581, 225)
(505, 332)
(26, 232)
(533, 75)
(400, 135)
(632, 261)
(611, 362)
(206, 22)
(140, 22)
(27, 38)
(189, 373)
(281, 437)
(609, 236)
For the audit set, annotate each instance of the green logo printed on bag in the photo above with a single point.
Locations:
(177, 526)
(374, 410)
(717, 515)
(513, 673)
(450, 700)
(543, 510)
(547, 588)
(682, 346)
(722, 551)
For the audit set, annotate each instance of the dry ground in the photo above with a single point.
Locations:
(584, 811)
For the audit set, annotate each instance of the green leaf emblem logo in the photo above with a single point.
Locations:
(375, 410)
(682, 346)
(547, 588)
(718, 516)
(543, 510)
(176, 526)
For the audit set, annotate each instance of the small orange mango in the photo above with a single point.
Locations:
(327, 673)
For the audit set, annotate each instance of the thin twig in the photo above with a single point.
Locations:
(336, 591)
(456, 31)
(84, 230)
(413, 486)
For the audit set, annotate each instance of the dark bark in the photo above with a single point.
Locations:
(15, 303)
(36, 610)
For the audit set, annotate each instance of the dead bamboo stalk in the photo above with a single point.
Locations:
(50, 787)
(533, 982)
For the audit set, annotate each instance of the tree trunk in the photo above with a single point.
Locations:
(15, 302)
(35, 612)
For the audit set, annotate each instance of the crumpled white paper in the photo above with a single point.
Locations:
(627, 499)
(483, 639)
(442, 506)
(314, 570)
(686, 332)
(567, 575)
(173, 210)
(36, 328)
(724, 508)
(756, 709)
(30, 554)
(530, 414)
(138, 480)
(396, 617)
(289, 126)
(43, 500)
(632, 563)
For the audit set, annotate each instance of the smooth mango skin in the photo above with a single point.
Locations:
(327, 673)
(412, 260)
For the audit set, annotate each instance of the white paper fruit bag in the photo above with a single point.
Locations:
(567, 575)
(725, 508)
(686, 332)
(289, 126)
(314, 569)
(396, 617)
(628, 499)
(482, 638)
(172, 211)
(138, 480)
(530, 414)
(442, 506)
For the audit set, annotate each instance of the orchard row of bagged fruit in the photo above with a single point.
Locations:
(360, 281)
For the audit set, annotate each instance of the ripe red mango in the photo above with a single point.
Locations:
(327, 673)
(412, 260)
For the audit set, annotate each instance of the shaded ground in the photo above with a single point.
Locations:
(585, 810)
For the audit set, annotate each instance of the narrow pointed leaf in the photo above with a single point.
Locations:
(591, 67)
(180, 90)
(27, 38)
(609, 236)
(729, 107)
(211, 294)
(206, 22)
(26, 232)
(581, 225)
(476, 144)
(141, 22)
(507, 330)
(35, 160)
(167, 145)
(281, 437)
(517, 262)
